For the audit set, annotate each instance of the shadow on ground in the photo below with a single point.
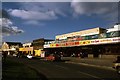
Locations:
(13, 70)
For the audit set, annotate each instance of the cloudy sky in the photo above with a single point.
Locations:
(33, 20)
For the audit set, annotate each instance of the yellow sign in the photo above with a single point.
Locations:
(52, 45)
(85, 42)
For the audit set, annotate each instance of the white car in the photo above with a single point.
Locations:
(29, 56)
(117, 67)
(117, 64)
(14, 55)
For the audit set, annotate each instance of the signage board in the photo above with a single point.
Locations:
(83, 42)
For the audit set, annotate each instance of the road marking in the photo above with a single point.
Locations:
(90, 75)
(57, 66)
(81, 72)
(62, 67)
(98, 66)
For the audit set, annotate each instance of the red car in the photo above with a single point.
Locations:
(53, 57)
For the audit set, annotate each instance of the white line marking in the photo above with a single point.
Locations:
(90, 75)
(62, 67)
(81, 72)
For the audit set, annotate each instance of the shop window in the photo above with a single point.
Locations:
(103, 35)
(115, 34)
(94, 36)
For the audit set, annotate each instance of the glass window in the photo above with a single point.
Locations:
(103, 35)
(94, 36)
(114, 34)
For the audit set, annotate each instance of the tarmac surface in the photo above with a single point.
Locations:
(72, 68)
(97, 62)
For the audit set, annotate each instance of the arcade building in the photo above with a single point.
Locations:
(94, 43)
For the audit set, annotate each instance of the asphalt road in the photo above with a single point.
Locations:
(66, 71)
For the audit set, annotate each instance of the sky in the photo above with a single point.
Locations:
(33, 20)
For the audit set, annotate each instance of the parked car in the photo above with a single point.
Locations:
(29, 56)
(53, 57)
(14, 55)
(117, 65)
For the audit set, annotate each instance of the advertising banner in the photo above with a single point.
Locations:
(84, 42)
(26, 49)
(52, 45)
(105, 41)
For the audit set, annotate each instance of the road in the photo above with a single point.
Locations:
(62, 71)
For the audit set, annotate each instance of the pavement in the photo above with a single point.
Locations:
(95, 62)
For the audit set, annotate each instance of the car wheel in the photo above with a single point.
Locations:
(118, 70)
